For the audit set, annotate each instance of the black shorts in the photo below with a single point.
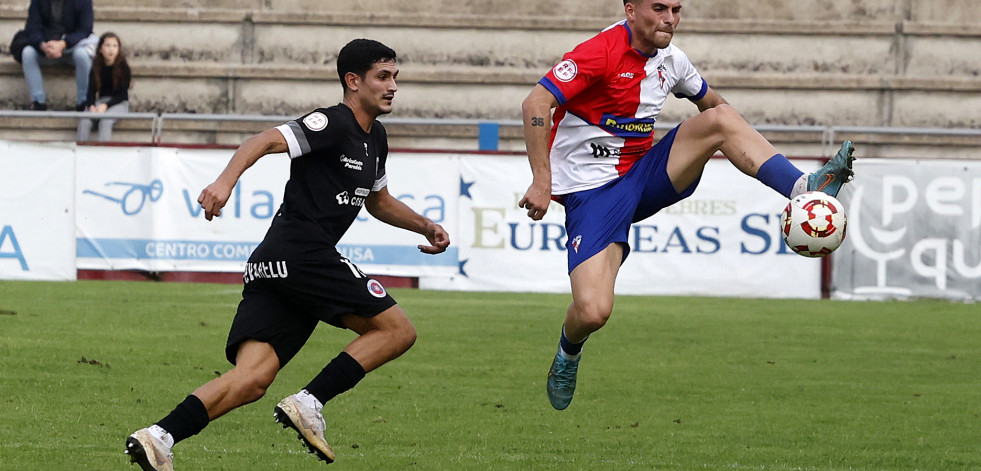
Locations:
(283, 301)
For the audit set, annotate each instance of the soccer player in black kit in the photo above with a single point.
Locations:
(296, 279)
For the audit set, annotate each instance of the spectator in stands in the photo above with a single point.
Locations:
(60, 32)
(109, 84)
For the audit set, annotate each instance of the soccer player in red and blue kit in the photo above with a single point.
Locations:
(599, 160)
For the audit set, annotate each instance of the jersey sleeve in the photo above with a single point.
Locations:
(579, 69)
(309, 133)
(690, 84)
(381, 178)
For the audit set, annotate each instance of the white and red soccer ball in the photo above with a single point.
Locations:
(813, 224)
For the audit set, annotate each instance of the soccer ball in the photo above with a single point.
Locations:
(813, 224)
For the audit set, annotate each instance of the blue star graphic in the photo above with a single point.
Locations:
(465, 188)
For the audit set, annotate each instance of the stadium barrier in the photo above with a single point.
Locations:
(490, 132)
(914, 230)
(67, 207)
(723, 241)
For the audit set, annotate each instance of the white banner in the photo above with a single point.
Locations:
(722, 241)
(138, 210)
(914, 231)
(37, 216)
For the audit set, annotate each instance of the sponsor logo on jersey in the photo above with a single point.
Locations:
(661, 69)
(261, 270)
(315, 121)
(603, 151)
(627, 127)
(362, 191)
(628, 75)
(376, 289)
(565, 70)
(344, 198)
(351, 163)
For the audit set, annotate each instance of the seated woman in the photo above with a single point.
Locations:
(109, 84)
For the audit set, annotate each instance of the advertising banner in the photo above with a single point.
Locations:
(138, 210)
(724, 240)
(37, 216)
(430, 185)
(914, 230)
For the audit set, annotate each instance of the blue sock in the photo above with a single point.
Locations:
(571, 349)
(778, 173)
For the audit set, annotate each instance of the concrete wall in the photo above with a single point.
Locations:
(841, 62)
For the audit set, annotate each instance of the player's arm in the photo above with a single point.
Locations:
(386, 208)
(537, 113)
(710, 100)
(215, 195)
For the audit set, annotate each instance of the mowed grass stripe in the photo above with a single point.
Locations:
(670, 383)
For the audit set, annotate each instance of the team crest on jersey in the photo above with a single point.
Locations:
(576, 242)
(376, 289)
(565, 70)
(661, 69)
(315, 121)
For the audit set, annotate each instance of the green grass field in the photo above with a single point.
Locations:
(668, 384)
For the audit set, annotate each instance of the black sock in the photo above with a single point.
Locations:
(569, 347)
(187, 419)
(341, 374)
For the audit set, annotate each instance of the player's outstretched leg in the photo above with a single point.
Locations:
(148, 451)
(562, 381)
(835, 173)
(308, 423)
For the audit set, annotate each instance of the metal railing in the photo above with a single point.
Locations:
(488, 129)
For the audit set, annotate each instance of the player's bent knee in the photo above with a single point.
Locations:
(728, 118)
(405, 337)
(594, 323)
(593, 316)
(399, 328)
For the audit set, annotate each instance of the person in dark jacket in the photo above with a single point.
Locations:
(60, 33)
(109, 85)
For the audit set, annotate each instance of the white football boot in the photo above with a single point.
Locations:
(309, 424)
(148, 451)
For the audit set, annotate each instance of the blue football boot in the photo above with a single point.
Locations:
(562, 381)
(835, 173)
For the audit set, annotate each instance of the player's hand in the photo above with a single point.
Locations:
(213, 198)
(436, 236)
(536, 201)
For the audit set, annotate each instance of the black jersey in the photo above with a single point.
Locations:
(334, 165)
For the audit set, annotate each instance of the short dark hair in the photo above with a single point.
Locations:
(359, 55)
